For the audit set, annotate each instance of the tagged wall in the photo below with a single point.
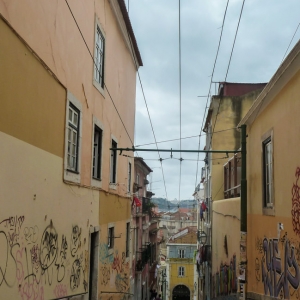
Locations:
(38, 261)
(114, 266)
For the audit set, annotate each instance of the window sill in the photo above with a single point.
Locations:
(113, 186)
(269, 211)
(71, 176)
(99, 87)
(96, 182)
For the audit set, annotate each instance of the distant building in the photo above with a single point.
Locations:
(181, 272)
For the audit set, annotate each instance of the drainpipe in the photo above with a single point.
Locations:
(243, 228)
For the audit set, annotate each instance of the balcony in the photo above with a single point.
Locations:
(232, 177)
(142, 257)
(147, 206)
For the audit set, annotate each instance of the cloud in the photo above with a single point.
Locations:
(265, 31)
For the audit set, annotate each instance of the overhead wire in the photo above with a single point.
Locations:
(208, 95)
(98, 70)
(188, 137)
(148, 112)
(261, 104)
(237, 29)
(179, 31)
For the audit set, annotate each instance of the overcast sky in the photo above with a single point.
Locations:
(265, 31)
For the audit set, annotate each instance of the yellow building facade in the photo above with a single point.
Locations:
(273, 186)
(68, 74)
(181, 265)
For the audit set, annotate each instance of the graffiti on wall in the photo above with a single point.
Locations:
(296, 203)
(35, 259)
(225, 280)
(277, 268)
(114, 268)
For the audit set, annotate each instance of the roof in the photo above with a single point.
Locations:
(233, 89)
(279, 79)
(141, 160)
(130, 31)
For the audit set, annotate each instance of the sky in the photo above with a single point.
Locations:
(265, 31)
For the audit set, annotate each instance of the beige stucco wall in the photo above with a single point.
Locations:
(55, 38)
(44, 223)
(230, 111)
(226, 222)
(32, 129)
(265, 240)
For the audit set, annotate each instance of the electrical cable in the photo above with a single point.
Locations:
(221, 98)
(98, 70)
(261, 104)
(290, 43)
(188, 137)
(144, 97)
(208, 95)
(179, 31)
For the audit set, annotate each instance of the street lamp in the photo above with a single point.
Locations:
(202, 237)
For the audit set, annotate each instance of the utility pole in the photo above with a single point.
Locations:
(243, 237)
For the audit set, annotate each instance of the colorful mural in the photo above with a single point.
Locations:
(114, 269)
(225, 280)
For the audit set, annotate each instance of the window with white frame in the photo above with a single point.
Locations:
(99, 57)
(73, 127)
(181, 253)
(268, 172)
(113, 162)
(73, 138)
(181, 271)
(111, 236)
(97, 153)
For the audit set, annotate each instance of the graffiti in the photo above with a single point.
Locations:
(110, 262)
(283, 239)
(225, 281)
(122, 282)
(75, 274)
(36, 264)
(104, 255)
(13, 226)
(275, 278)
(31, 234)
(75, 240)
(296, 204)
(48, 248)
(60, 291)
(8, 262)
(257, 269)
(105, 271)
(259, 245)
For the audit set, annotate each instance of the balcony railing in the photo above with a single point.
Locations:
(143, 257)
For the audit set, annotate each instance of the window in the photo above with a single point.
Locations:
(97, 153)
(127, 238)
(99, 57)
(129, 177)
(181, 253)
(111, 235)
(181, 271)
(113, 162)
(268, 172)
(73, 138)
